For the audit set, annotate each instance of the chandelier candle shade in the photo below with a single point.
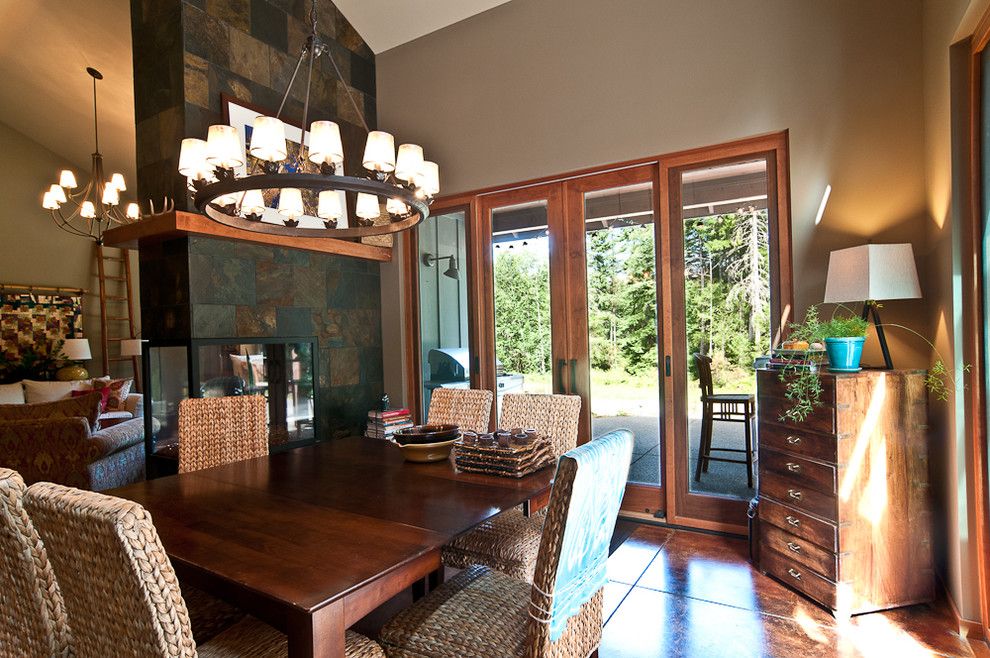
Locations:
(95, 208)
(310, 182)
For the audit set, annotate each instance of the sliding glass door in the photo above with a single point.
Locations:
(647, 290)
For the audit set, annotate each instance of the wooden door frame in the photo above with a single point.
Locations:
(639, 498)
(974, 323)
(410, 290)
(683, 507)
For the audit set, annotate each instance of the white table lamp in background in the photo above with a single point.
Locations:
(130, 347)
(871, 273)
(75, 350)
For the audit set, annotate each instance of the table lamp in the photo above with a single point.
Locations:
(871, 273)
(74, 350)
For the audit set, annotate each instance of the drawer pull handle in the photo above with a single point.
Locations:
(794, 440)
(794, 573)
(793, 521)
(793, 468)
(793, 548)
(795, 494)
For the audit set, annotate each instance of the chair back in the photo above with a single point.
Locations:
(555, 416)
(592, 499)
(119, 587)
(33, 620)
(218, 431)
(468, 408)
(703, 364)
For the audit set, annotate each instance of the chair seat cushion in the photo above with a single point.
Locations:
(251, 638)
(479, 613)
(731, 397)
(508, 543)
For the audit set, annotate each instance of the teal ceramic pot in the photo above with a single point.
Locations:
(844, 354)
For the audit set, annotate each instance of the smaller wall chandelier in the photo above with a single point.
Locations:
(305, 194)
(90, 211)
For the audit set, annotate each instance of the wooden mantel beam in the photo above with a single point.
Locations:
(179, 223)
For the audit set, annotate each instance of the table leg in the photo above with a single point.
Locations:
(319, 635)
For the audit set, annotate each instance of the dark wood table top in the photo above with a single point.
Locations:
(309, 526)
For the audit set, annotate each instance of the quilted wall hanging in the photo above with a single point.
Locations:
(31, 322)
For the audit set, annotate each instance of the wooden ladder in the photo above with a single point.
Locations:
(115, 325)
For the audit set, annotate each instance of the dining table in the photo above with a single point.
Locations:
(311, 540)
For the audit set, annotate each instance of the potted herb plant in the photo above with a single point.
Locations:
(843, 338)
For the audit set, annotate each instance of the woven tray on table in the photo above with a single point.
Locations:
(512, 461)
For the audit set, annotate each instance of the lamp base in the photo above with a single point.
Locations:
(71, 373)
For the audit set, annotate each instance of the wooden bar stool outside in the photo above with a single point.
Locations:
(723, 407)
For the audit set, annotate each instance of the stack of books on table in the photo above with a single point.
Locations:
(383, 424)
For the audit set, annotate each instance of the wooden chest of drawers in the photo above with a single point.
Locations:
(845, 513)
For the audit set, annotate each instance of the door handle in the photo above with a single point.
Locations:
(561, 387)
(573, 376)
(666, 365)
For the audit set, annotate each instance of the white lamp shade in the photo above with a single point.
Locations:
(67, 179)
(253, 203)
(324, 143)
(111, 195)
(133, 211)
(409, 162)
(396, 207)
(223, 147)
(290, 202)
(367, 206)
(77, 349)
(58, 194)
(268, 139)
(428, 180)
(330, 206)
(117, 180)
(379, 151)
(87, 210)
(872, 272)
(48, 202)
(192, 158)
(130, 347)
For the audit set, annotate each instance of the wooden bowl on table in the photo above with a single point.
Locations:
(427, 443)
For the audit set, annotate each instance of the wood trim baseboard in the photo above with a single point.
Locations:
(968, 628)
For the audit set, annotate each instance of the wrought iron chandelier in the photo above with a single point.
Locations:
(310, 186)
(96, 207)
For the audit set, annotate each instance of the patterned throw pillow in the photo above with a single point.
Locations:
(119, 390)
(104, 396)
(86, 406)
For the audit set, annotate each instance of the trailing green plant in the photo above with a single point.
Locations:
(802, 385)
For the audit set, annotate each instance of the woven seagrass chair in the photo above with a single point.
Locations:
(33, 622)
(510, 541)
(468, 408)
(481, 613)
(94, 540)
(217, 431)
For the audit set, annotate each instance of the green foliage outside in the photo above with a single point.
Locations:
(727, 310)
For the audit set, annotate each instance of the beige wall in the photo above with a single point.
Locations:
(945, 116)
(538, 87)
(32, 250)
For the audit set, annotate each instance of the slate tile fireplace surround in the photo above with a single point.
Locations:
(230, 292)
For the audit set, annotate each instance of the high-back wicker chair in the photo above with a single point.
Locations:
(481, 613)
(510, 541)
(32, 614)
(468, 408)
(217, 431)
(95, 540)
(555, 416)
